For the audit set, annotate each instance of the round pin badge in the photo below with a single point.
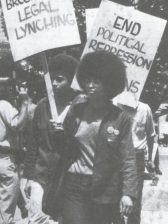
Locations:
(116, 132)
(110, 130)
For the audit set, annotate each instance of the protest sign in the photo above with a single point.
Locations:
(131, 35)
(34, 26)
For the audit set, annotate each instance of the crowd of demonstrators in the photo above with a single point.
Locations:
(86, 167)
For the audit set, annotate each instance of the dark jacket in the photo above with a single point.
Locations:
(114, 171)
(49, 146)
(114, 163)
(46, 162)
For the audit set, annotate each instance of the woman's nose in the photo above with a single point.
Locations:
(91, 84)
(55, 83)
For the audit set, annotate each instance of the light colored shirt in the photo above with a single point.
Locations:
(86, 136)
(8, 121)
(142, 126)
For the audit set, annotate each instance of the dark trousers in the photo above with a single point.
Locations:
(157, 161)
(135, 217)
(78, 206)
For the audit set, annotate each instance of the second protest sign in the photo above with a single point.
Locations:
(131, 35)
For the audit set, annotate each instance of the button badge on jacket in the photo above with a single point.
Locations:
(112, 133)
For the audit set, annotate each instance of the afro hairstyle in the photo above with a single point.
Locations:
(107, 68)
(64, 64)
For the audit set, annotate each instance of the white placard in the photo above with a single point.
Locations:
(132, 35)
(37, 25)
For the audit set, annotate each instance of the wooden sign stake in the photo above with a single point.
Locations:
(50, 93)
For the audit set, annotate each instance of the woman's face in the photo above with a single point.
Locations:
(60, 83)
(94, 89)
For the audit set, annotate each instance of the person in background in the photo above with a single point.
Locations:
(162, 111)
(42, 161)
(11, 121)
(143, 133)
(103, 174)
(25, 144)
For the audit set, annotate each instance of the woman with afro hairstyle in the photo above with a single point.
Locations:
(43, 163)
(102, 181)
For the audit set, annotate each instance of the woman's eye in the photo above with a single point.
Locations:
(59, 79)
(95, 81)
(87, 81)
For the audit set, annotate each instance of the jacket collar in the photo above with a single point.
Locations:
(112, 110)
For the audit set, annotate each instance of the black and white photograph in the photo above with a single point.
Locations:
(83, 111)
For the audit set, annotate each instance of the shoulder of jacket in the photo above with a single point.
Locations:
(115, 111)
(81, 98)
(125, 117)
(78, 102)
